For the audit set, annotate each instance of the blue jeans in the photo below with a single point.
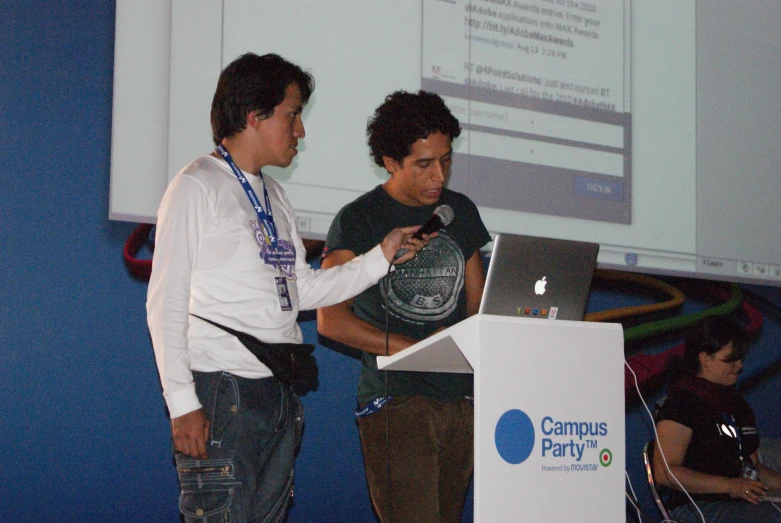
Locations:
(255, 429)
(727, 512)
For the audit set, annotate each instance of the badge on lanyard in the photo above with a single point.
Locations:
(283, 293)
(265, 216)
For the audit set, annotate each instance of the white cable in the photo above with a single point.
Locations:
(634, 504)
(656, 438)
(629, 481)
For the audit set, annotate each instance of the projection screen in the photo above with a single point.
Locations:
(648, 126)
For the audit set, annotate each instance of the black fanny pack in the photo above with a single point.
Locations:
(290, 363)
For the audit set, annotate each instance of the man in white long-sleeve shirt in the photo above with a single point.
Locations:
(227, 250)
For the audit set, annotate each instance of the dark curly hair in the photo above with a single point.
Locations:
(253, 83)
(403, 119)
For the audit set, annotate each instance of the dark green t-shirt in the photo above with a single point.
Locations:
(424, 294)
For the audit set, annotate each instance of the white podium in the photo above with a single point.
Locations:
(549, 414)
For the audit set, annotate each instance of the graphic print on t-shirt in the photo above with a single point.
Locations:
(284, 256)
(426, 288)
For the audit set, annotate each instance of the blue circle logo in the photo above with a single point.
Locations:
(514, 436)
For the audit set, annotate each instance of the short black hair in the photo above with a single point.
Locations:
(710, 335)
(253, 83)
(403, 119)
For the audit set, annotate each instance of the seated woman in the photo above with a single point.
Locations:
(708, 434)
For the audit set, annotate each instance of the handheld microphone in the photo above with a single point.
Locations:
(442, 217)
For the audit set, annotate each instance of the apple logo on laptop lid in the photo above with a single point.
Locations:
(539, 286)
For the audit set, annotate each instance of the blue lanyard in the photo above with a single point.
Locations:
(733, 424)
(265, 216)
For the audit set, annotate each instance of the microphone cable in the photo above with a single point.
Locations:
(386, 283)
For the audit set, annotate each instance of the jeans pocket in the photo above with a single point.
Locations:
(210, 491)
(227, 401)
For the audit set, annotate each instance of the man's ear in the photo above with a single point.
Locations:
(390, 164)
(254, 118)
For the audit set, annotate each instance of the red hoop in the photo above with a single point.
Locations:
(140, 268)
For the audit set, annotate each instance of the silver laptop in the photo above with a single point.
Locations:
(535, 277)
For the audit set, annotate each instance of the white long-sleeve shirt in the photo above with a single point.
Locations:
(209, 261)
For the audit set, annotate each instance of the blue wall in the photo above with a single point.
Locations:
(85, 432)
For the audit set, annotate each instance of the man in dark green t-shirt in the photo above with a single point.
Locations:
(417, 425)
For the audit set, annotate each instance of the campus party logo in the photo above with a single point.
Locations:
(514, 436)
(564, 440)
